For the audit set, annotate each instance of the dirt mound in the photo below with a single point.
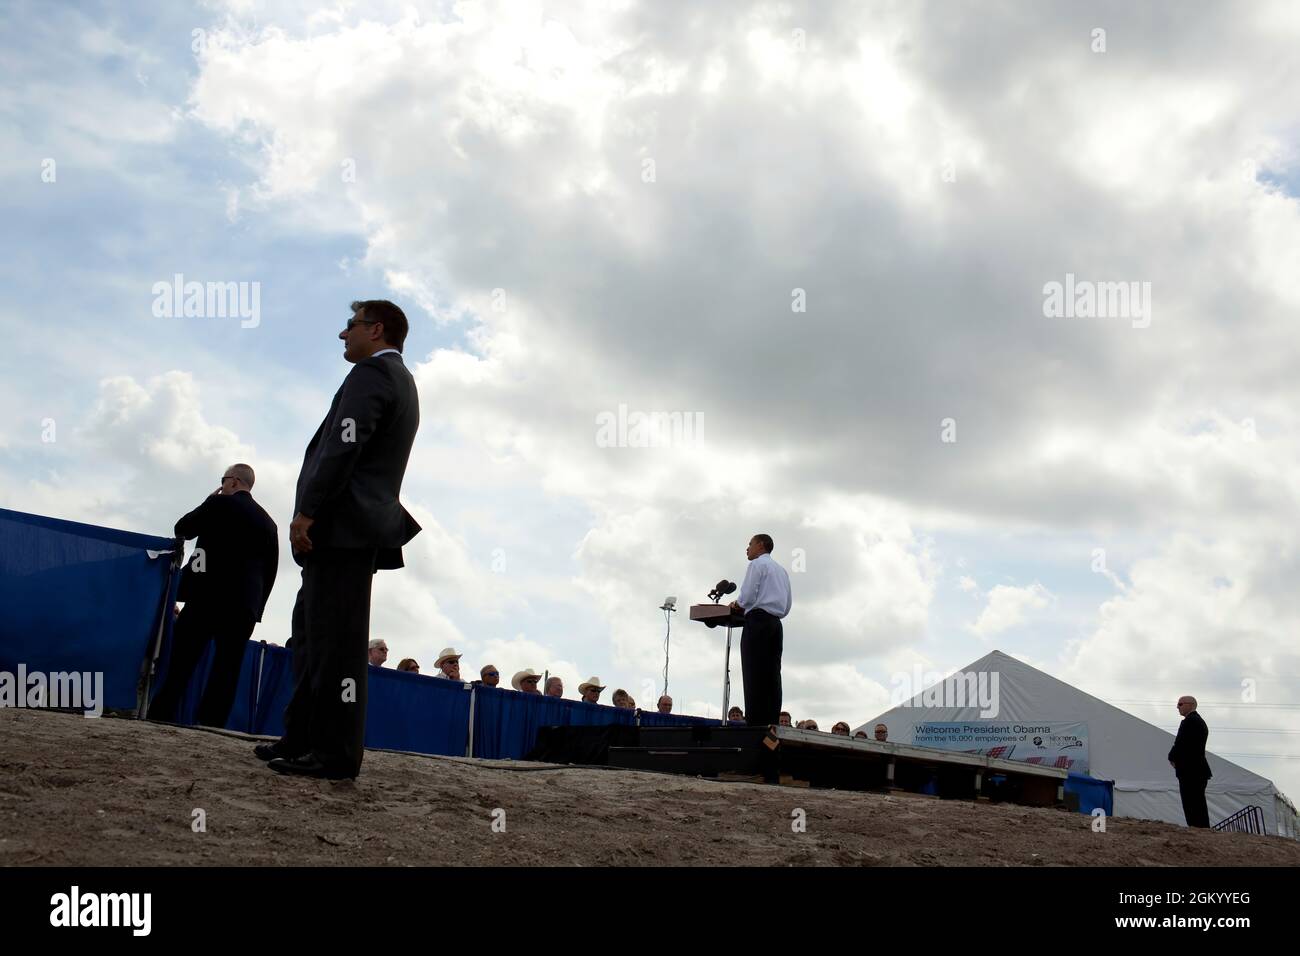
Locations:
(112, 792)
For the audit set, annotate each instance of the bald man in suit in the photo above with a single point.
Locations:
(1187, 757)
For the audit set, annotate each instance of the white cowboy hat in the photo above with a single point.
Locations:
(448, 654)
(519, 678)
(590, 682)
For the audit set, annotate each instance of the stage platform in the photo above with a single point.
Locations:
(804, 758)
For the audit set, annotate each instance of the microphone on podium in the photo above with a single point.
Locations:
(722, 587)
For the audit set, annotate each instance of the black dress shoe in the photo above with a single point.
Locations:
(308, 766)
(271, 751)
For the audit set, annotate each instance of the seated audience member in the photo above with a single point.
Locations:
(735, 716)
(408, 664)
(810, 724)
(784, 719)
(554, 687)
(882, 733)
(665, 704)
(378, 652)
(841, 729)
(448, 664)
(590, 690)
(489, 675)
(621, 699)
(526, 681)
(861, 735)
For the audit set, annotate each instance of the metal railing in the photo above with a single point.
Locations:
(1245, 820)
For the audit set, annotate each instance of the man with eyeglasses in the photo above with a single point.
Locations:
(348, 523)
(526, 681)
(489, 675)
(225, 587)
(1187, 757)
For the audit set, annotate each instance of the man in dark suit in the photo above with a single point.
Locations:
(348, 524)
(224, 586)
(1187, 757)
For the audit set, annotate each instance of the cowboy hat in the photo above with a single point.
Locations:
(519, 678)
(590, 682)
(448, 654)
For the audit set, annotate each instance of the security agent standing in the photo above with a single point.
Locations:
(764, 600)
(1187, 757)
(224, 586)
(348, 524)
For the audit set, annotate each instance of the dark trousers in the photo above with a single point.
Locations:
(196, 626)
(1192, 790)
(331, 636)
(760, 667)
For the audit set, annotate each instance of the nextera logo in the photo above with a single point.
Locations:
(102, 909)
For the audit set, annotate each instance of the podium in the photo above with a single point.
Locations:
(720, 615)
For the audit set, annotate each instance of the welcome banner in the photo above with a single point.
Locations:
(1050, 743)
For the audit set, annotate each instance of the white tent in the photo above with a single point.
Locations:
(1122, 748)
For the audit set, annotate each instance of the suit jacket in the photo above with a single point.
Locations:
(1188, 751)
(240, 555)
(352, 472)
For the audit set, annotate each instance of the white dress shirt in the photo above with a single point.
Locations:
(384, 351)
(766, 587)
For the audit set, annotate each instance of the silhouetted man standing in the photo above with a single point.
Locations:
(1187, 757)
(348, 524)
(224, 586)
(764, 599)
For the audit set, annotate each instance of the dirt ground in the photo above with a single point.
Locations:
(112, 792)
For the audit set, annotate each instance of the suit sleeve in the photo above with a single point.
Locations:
(367, 392)
(271, 564)
(200, 520)
(1173, 751)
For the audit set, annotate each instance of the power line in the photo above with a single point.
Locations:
(1208, 703)
(1239, 730)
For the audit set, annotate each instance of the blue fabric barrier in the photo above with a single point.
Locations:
(77, 597)
(276, 692)
(412, 712)
(403, 711)
(1092, 793)
(506, 721)
(243, 707)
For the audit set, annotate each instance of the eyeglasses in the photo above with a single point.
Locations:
(352, 322)
(492, 674)
(529, 680)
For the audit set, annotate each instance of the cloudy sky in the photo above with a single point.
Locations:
(821, 234)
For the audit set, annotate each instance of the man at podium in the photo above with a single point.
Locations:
(764, 600)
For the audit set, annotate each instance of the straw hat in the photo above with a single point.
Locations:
(448, 654)
(519, 678)
(592, 682)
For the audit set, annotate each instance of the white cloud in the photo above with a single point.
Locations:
(1008, 607)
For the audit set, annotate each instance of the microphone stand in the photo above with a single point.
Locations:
(668, 610)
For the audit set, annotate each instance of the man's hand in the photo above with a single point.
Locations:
(298, 538)
(176, 611)
(734, 605)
